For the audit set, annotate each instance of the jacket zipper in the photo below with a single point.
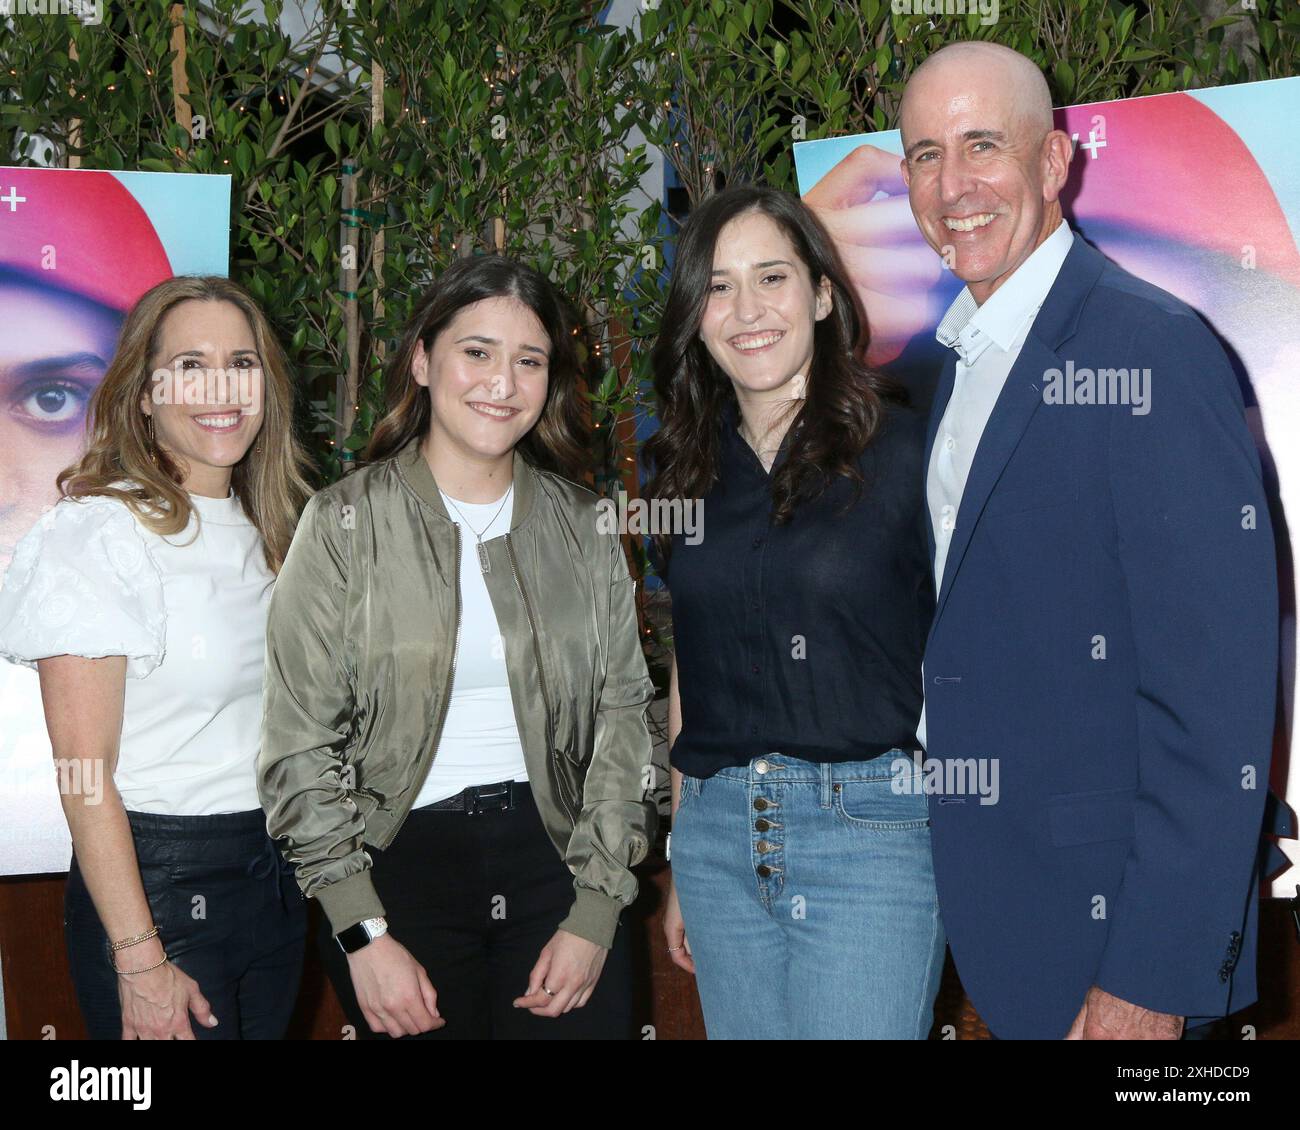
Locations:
(446, 695)
(541, 676)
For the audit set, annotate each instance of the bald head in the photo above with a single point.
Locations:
(1016, 79)
(983, 164)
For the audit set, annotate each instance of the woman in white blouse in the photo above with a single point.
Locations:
(141, 599)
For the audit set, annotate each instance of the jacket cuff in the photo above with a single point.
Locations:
(350, 900)
(593, 916)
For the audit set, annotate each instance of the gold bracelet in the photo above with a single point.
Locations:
(132, 972)
(115, 946)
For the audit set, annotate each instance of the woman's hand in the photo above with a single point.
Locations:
(157, 1005)
(679, 949)
(569, 967)
(393, 989)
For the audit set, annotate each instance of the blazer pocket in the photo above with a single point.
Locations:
(1091, 817)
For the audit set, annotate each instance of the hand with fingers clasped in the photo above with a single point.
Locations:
(564, 977)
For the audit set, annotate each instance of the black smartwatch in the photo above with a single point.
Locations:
(362, 934)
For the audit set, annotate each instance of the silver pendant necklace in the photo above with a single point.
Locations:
(485, 566)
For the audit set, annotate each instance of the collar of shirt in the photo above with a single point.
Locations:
(969, 328)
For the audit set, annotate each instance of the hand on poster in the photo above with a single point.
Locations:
(862, 203)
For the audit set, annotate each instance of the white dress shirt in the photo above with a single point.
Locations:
(987, 340)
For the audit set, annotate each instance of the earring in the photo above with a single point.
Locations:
(153, 443)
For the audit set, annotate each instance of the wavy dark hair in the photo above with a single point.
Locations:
(557, 442)
(844, 399)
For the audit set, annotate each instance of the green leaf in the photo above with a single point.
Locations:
(1064, 77)
(1125, 23)
(1267, 37)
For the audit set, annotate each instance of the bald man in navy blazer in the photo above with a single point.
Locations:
(1106, 629)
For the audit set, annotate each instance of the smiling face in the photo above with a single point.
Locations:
(206, 395)
(54, 350)
(762, 308)
(487, 376)
(983, 167)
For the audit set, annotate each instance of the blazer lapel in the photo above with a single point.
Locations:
(1020, 397)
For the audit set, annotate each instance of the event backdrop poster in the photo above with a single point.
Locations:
(77, 248)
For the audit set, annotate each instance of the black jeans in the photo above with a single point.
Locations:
(474, 899)
(229, 915)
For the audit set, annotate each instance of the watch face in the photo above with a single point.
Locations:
(353, 938)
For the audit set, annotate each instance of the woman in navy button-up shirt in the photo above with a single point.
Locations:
(801, 854)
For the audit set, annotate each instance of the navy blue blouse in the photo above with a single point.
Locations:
(805, 638)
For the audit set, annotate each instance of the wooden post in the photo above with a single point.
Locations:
(74, 126)
(346, 389)
(377, 243)
(180, 81)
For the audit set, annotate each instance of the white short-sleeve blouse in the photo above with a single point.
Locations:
(188, 611)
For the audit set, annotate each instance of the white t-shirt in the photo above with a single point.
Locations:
(189, 613)
(480, 742)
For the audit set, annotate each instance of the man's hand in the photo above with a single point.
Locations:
(1104, 1017)
(569, 967)
(393, 989)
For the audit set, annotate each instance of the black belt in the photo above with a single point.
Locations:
(504, 796)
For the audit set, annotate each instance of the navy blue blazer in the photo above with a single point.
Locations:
(1107, 628)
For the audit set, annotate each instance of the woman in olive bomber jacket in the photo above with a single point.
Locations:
(380, 600)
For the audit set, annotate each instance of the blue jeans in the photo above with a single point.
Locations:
(808, 895)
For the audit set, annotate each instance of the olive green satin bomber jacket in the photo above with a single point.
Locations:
(359, 666)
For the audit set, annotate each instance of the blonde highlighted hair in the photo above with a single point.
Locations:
(270, 480)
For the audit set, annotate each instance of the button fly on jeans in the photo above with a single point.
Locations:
(761, 766)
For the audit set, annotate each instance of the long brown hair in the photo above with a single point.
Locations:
(844, 399)
(270, 480)
(557, 442)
